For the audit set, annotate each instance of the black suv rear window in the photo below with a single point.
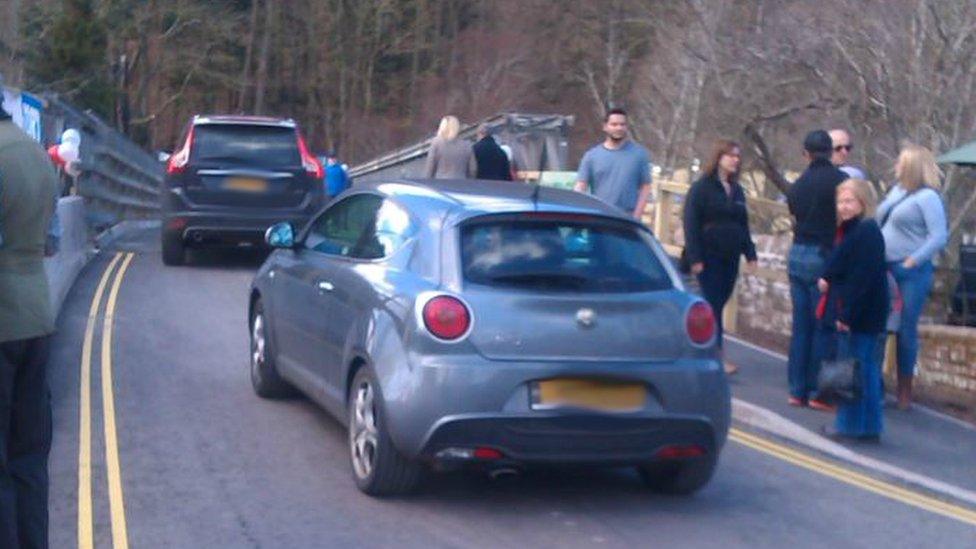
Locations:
(267, 146)
(580, 255)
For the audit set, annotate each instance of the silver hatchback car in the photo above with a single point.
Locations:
(489, 323)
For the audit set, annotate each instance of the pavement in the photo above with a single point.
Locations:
(918, 440)
(188, 456)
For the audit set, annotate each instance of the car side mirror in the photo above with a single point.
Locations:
(280, 235)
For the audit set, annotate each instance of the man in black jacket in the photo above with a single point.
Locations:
(492, 160)
(812, 201)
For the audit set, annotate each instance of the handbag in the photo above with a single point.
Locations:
(839, 380)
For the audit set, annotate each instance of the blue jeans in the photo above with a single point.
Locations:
(863, 417)
(806, 265)
(914, 285)
(717, 281)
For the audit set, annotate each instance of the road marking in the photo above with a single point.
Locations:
(85, 528)
(826, 468)
(120, 536)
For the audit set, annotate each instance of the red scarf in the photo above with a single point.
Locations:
(822, 304)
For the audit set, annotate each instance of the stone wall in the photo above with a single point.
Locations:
(763, 308)
(947, 365)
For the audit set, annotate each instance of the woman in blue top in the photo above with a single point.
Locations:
(913, 222)
(855, 280)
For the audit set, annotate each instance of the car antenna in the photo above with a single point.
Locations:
(536, 188)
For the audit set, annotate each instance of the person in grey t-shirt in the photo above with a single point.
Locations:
(617, 171)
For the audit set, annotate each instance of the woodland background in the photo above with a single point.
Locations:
(366, 76)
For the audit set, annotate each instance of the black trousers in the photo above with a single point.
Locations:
(717, 283)
(25, 442)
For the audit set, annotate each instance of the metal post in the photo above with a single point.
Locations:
(662, 213)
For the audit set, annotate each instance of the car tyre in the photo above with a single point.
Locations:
(265, 380)
(684, 478)
(378, 468)
(174, 251)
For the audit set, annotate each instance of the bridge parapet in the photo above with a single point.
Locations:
(118, 180)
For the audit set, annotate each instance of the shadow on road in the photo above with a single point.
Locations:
(231, 259)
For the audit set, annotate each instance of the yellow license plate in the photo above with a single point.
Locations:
(607, 396)
(246, 184)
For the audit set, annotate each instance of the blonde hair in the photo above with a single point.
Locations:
(916, 167)
(864, 193)
(448, 128)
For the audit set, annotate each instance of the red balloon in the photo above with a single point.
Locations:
(52, 152)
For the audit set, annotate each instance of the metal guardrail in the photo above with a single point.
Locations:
(118, 180)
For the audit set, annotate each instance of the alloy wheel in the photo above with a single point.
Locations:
(258, 347)
(363, 433)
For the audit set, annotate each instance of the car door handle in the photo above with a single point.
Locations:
(325, 286)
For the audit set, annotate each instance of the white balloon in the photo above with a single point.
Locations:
(71, 135)
(68, 152)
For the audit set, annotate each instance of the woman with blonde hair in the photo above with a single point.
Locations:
(449, 157)
(913, 222)
(856, 305)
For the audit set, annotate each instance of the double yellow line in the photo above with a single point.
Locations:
(826, 468)
(120, 538)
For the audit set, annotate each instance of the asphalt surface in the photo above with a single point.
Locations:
(206, 463)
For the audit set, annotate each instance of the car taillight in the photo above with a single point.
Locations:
(309, 162)
(177, 163)
(446, 317)
(700, 323)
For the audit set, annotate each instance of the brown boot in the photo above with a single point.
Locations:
(904, 392)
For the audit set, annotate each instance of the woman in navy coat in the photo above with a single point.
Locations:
(855, 280)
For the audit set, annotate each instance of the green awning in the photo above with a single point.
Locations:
(965, 155)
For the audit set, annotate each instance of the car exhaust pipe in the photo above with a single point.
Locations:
(503, 473)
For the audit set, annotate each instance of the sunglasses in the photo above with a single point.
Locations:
(847, 148)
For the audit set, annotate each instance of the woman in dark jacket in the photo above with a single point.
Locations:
(855, 281)
(716, 226)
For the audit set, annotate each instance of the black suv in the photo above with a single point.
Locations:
(234, 177)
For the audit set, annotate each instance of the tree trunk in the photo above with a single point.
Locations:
(262, 76)
(248, 55)
(769, 166)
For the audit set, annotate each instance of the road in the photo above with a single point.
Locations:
(203, 462)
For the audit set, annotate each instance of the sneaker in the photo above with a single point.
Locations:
(796, 401)
(821, 405)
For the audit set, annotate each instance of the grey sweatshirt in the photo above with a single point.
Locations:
(452, 159)
(916, 227)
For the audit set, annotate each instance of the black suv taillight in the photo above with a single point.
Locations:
(311, 164)
(177, 163)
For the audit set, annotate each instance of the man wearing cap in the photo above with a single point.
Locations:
(812, 201)
(28, 188)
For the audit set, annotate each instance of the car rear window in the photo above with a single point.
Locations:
(266, 146)
(588, 254)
